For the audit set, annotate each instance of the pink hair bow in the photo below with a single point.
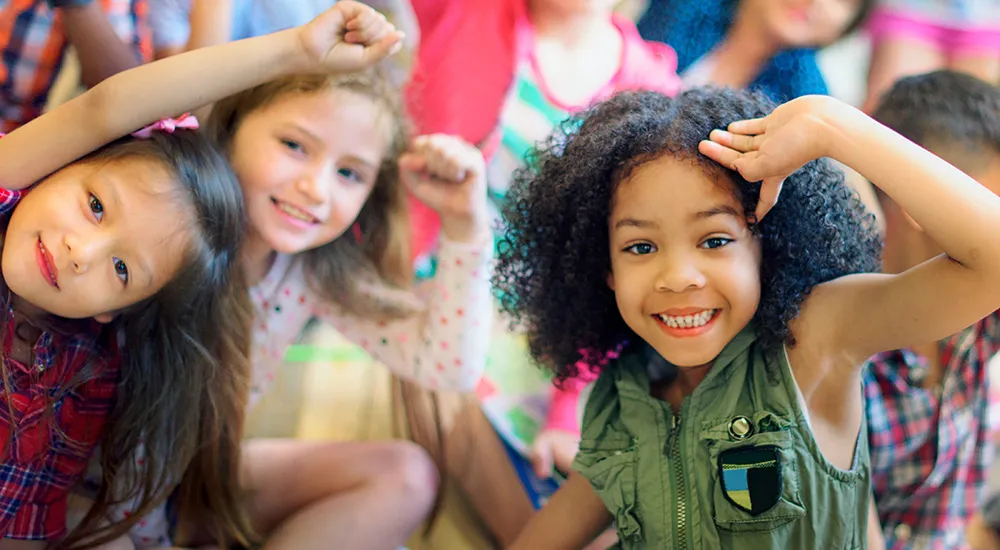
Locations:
(187, 121)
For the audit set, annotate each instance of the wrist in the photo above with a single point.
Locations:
(295, 57)
(841, 127)
(464, 229)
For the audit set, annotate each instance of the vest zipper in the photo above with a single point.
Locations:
(681, 491)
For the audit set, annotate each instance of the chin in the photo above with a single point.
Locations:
(690, 355)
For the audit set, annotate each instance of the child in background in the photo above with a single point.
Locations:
(911, 37)
(927, 405)
(734, 416)
(766, 45)
(137, 238)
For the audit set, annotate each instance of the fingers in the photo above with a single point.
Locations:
(751, 166)
(368, 27)
(770, 189)
(739, 142)
(751, 126)
(409, 162)
(447, 157)
(720, 153)
(385, 47)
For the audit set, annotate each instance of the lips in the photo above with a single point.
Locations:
(47, 264)
(295, 212)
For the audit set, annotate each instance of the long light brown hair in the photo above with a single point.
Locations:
(364, 269)
(368, 274)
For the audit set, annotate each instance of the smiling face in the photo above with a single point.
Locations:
(94, 238)
(307, 163)
(685, 267)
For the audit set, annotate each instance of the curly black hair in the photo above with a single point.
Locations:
(554, 258)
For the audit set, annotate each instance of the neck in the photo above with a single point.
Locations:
(570, 28)
(745, 50)
(257, 257)
(684, 385)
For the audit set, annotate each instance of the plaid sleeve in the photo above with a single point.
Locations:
(8, 197)
(49, 449)
(991, 335)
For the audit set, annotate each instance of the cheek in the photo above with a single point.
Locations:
(743, 281)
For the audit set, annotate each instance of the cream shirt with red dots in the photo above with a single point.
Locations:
(445, 348)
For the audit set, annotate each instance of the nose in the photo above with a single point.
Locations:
(86, 249)
(315, 184)
(679, 273)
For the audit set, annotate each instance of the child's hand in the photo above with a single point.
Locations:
(553, 448)
(449, 175)
(349, 37)
(769, 149)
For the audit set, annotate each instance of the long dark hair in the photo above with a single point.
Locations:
(185, 372)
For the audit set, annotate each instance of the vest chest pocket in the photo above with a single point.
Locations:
(754, 474)
(611, 470)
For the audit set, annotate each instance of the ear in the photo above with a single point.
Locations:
(105, 318)
(611, 280)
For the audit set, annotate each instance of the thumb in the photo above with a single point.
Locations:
(541, 458)
(383, 48)
(409, 162)
(770, 189)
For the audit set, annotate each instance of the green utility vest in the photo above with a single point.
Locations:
(738, 468)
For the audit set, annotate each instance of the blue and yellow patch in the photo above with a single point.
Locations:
(751, 477)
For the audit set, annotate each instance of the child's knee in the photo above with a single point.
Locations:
(411, 470)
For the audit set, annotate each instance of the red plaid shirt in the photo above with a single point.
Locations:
(57, 421)
(930, 447)
(34, 48)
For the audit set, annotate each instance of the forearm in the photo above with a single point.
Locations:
(100, 51)
(572, 519)
(211, 23)
(959, 214)
(129, 100)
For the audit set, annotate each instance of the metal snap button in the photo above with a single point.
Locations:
(740, 428)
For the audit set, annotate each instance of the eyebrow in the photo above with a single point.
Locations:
(633, 222)
(719, 210)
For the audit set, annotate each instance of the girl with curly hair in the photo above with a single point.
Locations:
(733, 416)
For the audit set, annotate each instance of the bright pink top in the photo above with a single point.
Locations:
(467, 62)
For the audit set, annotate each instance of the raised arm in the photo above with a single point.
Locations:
(129, 100)
(860, 315)
(445, 347)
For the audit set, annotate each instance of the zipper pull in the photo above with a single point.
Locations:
(675, 425)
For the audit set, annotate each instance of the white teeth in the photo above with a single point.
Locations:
(295, 212)
(688, 321)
